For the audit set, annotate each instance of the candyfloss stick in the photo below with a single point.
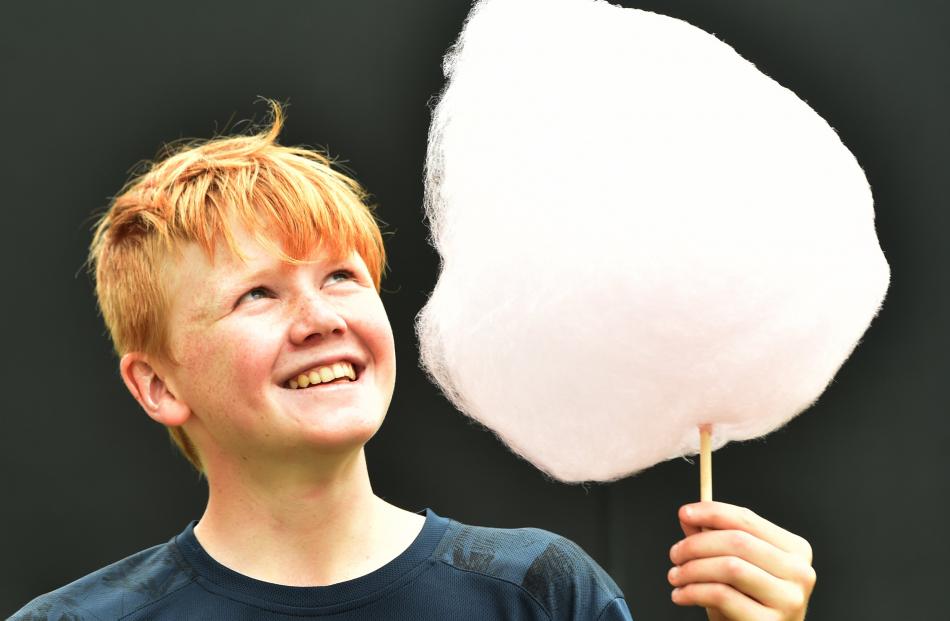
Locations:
(705, 478)
(705, 463)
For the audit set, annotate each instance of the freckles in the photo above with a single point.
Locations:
(191, 349)
(249, 362)
(217, 359)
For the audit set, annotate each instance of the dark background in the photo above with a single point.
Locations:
(90, 88)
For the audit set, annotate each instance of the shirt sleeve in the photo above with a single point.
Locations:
(616, 610)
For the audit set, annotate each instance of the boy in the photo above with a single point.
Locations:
(239, 280)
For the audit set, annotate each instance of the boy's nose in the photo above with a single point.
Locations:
(315, 318)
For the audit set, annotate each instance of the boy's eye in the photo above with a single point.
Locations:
(344, 274)
(256, 293)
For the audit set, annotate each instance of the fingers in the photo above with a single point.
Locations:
(740, 544)
(739, 565)
(724, 599)
(723, 516)
(689, 529)
(744, 577)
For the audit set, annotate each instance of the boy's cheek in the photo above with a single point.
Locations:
(248, 368)
(212, 363)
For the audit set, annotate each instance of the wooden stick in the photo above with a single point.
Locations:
(705, 463)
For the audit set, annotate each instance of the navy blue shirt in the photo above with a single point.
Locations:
(450, 572)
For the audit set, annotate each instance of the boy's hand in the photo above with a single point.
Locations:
(742, 568)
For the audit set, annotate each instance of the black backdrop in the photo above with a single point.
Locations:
(91, 88)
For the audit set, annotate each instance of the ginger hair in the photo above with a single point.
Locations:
(291, 199)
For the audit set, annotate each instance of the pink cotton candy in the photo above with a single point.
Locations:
(640, 233)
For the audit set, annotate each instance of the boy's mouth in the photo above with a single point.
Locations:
(336, 373)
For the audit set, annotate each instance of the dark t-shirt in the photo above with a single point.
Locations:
(450, 572)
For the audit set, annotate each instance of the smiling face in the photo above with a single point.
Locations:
(240, 330)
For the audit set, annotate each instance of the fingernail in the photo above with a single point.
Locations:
(687, 512)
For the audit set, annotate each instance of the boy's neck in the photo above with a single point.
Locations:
(301, 532)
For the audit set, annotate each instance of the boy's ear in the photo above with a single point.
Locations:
(150, 390)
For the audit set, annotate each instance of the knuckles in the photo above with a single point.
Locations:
(734, 568)
(808, 578)
(805, 550)
(797, 601)
(747, 517)
(739, 542)
(717, 595)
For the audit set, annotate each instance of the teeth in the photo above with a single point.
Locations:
(323, 374)
(341, 369)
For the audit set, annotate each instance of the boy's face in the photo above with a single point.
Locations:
(241, 330)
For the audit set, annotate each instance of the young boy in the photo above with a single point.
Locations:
(239, 280)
